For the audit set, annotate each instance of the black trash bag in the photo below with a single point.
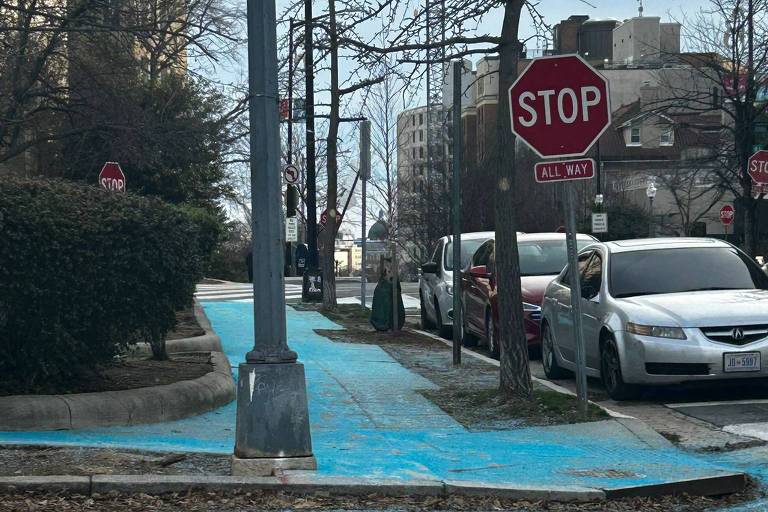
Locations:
(381, 309)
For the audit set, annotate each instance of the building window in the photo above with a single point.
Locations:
(421, 119)
(413, 120)
(413, 137)
(414, 171)
(634, 136)
(421, 135)
(665, 139)
(421, 152)
(421, 171)
(481, 87)
(413, 151)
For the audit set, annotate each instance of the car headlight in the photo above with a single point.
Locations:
(530, 307)
(656, 331)
(449, 289)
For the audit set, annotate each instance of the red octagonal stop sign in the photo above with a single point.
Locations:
(758, 167)
(560, 106)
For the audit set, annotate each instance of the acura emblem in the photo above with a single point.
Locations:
(737, 334)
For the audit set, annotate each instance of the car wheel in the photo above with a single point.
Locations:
(610, 371)
(445, 331)
(426, 323)
(490, 335)
(549, 356)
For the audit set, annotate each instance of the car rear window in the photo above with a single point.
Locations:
(680, 270)
(468, 248)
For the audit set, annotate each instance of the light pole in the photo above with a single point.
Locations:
(272, 425)
(651, 193)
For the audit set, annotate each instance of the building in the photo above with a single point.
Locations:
(645, 41)
(592, 39)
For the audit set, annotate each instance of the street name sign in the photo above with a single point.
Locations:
(291, 229)
(112, 178)
(291, 174)
(758, 167)
(599, 223)
(565, 170)
(560, 106)
(727, 214)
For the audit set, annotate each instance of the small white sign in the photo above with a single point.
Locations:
(291, 229)
(290, 174)
(599, 222)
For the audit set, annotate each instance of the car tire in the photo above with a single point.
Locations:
(490, 336)
(610, 372)
(426, 323)
(552, 368)
(445, 331)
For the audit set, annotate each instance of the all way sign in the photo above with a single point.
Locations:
(565, 170)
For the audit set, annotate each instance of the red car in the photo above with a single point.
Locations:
(542, 257)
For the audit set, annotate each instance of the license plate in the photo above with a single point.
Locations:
(741, 362)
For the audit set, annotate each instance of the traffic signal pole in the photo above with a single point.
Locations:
(272, 424)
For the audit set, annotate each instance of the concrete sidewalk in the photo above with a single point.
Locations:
(370, 421)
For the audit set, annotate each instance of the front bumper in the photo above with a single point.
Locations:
(649, 360)
(532, 323)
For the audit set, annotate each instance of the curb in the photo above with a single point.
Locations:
(153, 404)
(301, 484)
(304, 483)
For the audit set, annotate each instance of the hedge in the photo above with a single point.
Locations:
(84, 273)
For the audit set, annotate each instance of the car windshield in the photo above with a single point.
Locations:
(546, 257)
(468, 248)
(681, 270)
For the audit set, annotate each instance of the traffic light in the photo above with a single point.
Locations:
(291, 201)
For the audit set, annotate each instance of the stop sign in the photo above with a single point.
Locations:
(560, 106)
(111, 177)
(758, 167)
(727, 215)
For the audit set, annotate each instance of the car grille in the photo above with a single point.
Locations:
(677, 368)
(738, 335)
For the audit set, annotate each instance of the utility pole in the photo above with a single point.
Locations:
(272, 425)
(458, 317)
(365, 174)
(289, 245)
(312, 288)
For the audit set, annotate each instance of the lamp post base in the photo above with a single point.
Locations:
(272, 427)
(267, 467)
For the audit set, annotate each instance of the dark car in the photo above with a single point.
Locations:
(542, 257)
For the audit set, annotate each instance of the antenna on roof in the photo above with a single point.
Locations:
(640, 9)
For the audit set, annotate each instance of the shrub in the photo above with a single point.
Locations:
(85, 273)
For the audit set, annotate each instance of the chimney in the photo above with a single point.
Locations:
(649, 94)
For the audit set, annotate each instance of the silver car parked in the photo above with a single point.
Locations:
(660, 311)
(436, 280)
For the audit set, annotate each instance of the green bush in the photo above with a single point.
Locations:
(85, 273)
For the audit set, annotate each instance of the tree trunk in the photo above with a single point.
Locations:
(332, 226)
(515, 377)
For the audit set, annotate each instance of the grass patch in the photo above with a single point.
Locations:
(489, 409)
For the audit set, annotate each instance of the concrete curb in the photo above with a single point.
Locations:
(300, 484)
(306, 483)
(154, 404)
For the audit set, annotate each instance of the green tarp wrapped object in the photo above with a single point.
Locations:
(381, 309)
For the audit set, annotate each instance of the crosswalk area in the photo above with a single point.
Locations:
(238, 292)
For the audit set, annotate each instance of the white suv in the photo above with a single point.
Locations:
(436, 280)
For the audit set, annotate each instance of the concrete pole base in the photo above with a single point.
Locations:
(267, 467)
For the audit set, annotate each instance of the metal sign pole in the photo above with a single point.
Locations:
(365, 174)
(458, 322)
(573, 265)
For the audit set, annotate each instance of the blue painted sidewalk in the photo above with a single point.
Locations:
(368, 420)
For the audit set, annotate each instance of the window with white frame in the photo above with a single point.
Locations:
(666, 136)
(634, 136)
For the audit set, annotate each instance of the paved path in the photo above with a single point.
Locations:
(369, 420)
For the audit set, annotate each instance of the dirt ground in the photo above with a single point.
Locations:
(231, 502)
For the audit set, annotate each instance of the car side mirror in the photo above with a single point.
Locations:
(480, 271)
(429, 268)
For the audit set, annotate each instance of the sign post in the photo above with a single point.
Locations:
(365, 174)
(560, 106)
(112, 178)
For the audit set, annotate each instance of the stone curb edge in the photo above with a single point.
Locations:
(132, 406)
(303, 485)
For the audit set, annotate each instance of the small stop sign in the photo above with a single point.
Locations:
(112, 178)
(727, 214)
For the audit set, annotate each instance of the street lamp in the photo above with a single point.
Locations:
(651, 193)
(272, 424)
